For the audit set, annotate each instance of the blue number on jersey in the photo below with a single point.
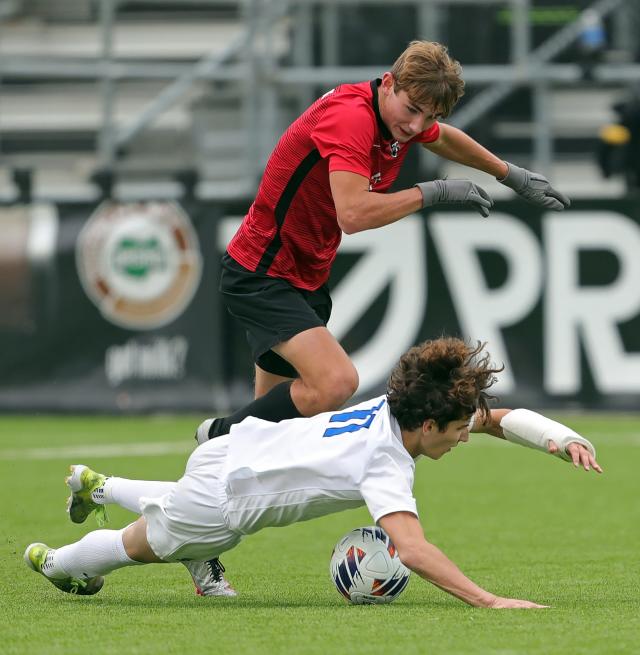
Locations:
(355, 414)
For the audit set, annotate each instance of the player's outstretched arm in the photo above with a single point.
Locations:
(359, 209)
(430, 563)
(455, 145)
(533, 430)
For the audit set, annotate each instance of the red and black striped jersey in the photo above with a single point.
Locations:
(291, 230)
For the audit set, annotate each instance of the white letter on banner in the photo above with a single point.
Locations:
(590, 313)
(483, 311)
(394, 255)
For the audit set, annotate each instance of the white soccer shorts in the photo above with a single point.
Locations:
(190, 522)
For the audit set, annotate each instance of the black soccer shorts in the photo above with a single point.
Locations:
(271, 311)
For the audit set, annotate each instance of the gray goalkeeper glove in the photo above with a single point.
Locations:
(455, 191)
(534, 187)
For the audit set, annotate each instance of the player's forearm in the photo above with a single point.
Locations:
(489, 423)
(454, 145)
(429, 562)
(370, 210)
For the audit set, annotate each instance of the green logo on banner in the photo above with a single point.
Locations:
(139, 258)
(140, 263)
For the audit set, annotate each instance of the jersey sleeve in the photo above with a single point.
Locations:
(430, 135)
(345, 135)
(386, 486)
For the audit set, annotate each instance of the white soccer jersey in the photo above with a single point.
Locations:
(295, 470)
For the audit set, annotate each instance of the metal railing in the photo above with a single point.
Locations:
(251, 61)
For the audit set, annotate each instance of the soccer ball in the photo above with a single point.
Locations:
(366, 569)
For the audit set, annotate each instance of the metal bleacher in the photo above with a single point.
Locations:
(147, 89)
(61, 115)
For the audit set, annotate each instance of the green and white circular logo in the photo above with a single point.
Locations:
(139, 263)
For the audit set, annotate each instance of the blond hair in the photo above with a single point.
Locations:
(429, 76)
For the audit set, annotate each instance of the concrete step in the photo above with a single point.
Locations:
(78, 107)
(135, 40)
(575, 113)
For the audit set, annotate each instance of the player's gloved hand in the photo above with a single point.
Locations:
(534, 187)
(455, 191)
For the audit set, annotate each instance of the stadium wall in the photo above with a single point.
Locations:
(114, 307)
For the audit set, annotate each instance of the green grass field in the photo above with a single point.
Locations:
(518, 523)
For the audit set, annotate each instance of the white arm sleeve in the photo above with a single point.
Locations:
(533, 430)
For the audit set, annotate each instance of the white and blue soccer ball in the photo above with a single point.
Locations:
(366, 569)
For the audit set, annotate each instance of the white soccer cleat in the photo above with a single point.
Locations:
(202, 433)
(209, 579)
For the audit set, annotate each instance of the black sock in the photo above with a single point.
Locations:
(276, 405)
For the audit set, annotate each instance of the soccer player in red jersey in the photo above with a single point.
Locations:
(329, 174)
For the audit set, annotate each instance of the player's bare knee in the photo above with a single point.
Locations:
(336, 389)
(133, 551)
(136, 546)
(349, 384)
(131, 543)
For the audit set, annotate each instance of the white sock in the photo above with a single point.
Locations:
(97, 553)
(51, 567)
(127, 493)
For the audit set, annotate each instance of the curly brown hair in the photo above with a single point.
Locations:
(444, 379)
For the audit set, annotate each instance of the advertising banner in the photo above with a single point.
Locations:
(115, 307)
(555, 295)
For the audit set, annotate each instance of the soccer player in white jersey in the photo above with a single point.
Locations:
(273, 474)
